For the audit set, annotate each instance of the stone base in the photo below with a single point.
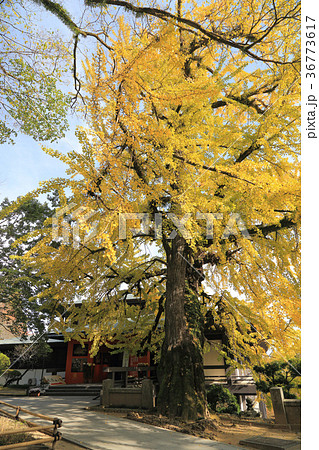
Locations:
(142, 397)
(267, 443)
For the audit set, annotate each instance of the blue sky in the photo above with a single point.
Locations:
(25, 164)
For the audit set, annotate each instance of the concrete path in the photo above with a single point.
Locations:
(99, 431)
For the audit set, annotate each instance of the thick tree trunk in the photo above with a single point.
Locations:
(181, 373)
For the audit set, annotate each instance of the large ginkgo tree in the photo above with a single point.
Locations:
(186, 191)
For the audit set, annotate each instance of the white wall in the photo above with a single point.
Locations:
(32, 373)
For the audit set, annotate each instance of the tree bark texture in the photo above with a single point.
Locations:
(181, 373)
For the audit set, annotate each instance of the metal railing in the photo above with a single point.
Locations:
(51, 430)
(217, 379)
(138, 372)
(241, 379)
(230, 380)
(142, 371)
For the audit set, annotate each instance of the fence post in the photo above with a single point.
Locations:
(56, 434)
(147, 394)
(107, 385)
(17, 413)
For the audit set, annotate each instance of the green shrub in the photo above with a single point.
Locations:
(221, 400)
(4, 363)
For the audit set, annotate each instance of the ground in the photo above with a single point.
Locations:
(7, 424)
(86, 422)
(21, 391)
(222, 428)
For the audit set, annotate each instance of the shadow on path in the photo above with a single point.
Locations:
(99, 431)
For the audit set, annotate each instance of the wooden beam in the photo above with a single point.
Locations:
(27, 430)
(41, 416)
(26, 444)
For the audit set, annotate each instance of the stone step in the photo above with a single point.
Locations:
(72, 393)
(68, 390)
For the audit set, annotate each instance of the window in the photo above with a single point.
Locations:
(78, 350)
(77, 364)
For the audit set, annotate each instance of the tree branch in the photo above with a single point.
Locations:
(267, 229)
(212, 169)
(194, 26)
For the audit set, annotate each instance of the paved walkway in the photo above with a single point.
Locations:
(98, 431)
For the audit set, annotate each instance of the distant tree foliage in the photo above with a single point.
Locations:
(285, 374)
(30, 69)
(20, 308)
